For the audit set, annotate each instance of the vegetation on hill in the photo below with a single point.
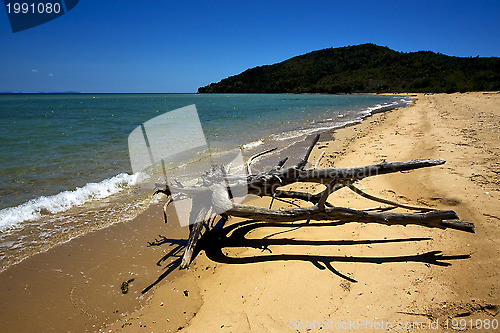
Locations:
(366, 68)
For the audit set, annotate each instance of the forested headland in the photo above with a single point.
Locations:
(366, 68)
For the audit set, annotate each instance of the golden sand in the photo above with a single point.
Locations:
(405, 287)
(342, 277)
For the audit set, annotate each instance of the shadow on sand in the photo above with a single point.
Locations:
(235, 235)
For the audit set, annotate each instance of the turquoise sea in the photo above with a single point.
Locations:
(65, 167)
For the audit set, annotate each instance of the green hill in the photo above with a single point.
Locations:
(366, 68)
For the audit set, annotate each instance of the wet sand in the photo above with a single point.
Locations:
(287, 277)
(76, 287)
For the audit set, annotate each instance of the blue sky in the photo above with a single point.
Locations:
(177, 46)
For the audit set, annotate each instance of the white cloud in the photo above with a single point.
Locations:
(51, 74)
(34, 70)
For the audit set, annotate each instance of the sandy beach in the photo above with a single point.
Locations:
(296, 277)
(404, 288)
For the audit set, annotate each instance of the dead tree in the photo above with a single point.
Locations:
(268, 183)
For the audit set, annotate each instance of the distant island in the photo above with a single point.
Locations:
(366, 68)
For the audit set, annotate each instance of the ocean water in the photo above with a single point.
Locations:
(65, 168)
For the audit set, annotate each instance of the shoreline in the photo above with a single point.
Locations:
(294, 146)
(269, 295)
(74, 212)
(212, 295)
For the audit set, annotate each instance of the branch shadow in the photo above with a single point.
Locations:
(234, 235)
(176, 252)
(219, 237)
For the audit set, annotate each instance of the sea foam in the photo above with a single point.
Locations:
(34, 209)
(253, 144)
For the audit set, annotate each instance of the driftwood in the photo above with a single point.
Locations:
(268, 183)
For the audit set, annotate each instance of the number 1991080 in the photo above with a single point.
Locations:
(32, 8)
(462, 324)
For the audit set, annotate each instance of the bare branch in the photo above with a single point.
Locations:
(326, 193)
(389, 202)
(429, 219)
(211, 196)
(303, 162)
(253, 157)
(319, 159)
